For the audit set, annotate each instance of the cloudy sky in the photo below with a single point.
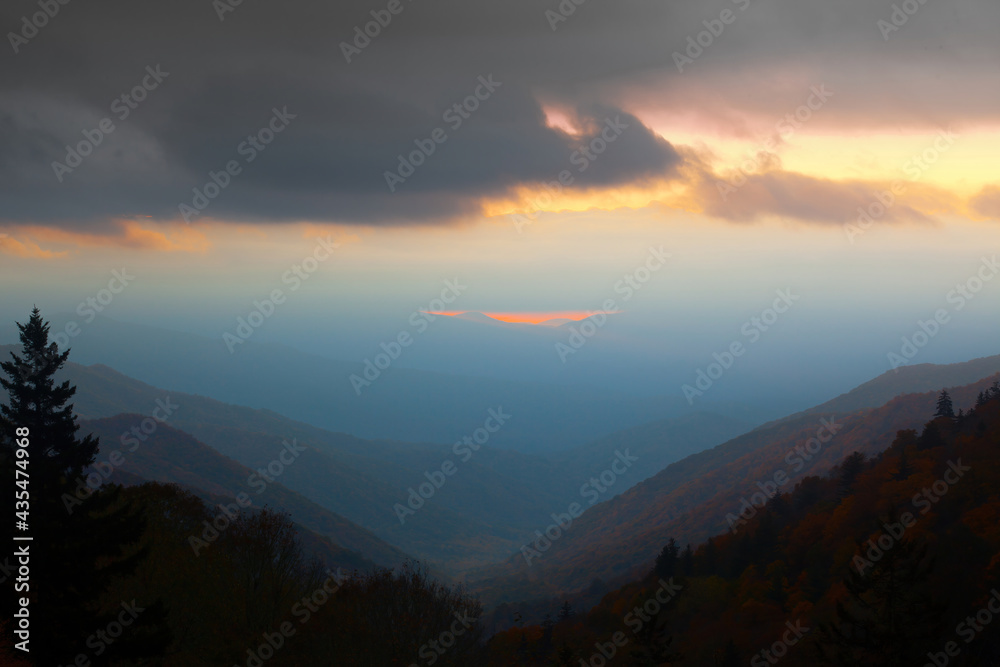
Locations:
(538, 148)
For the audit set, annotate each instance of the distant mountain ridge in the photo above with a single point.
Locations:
(168, 455)
(479, 516)
(903, 544)
(916, 378)
(482, 318)
(400, 404)
(691, 499)
(486, 513)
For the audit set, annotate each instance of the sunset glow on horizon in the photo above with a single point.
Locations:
(803, 149)
(523, 317)
(484, 270)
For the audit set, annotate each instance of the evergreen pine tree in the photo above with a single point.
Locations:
(743, 555)
(522, 647)
(78, 546)
(566, 611)
(944, 406)
(889, 616)
(904, 469)
(666, 562)
(930, 437)
(851, 467)
(777, 504)
(545, 643)
(765, 539)
(651, 646)
(687, 561)
(709, 560)
(808, 492)
(565, 657)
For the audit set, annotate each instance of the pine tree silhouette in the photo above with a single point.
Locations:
(687, 561)
(709, 558)
(666, 562)
(851, 467)
(930, 437)
(545, 643)
(565, 657)
(652, 643)
(904, 469)
(777, 504)
(522, 647)
(565, 612)
(76, 548)
(889, 616)
(944, 406)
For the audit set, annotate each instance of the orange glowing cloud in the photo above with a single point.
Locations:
(128, 234)
(769, 191)
(819, 174)
(533, 317)
(529, 201)
(26, 249)
(560, 120)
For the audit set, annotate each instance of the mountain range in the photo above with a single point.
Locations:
(684, 475)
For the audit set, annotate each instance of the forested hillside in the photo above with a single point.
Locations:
(892, 559)
(697, 497)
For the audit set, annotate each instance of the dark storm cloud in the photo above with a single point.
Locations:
(351, 120)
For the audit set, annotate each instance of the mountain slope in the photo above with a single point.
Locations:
(655, 445)
(694, 498)
(471, 520)
(904, 545)
(907, 380)
(483, 512)
(171, 456)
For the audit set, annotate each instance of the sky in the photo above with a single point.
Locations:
(536, 150)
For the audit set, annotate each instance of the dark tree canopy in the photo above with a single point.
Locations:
(77, 550)
(944, 406)
(666, 561)
(39, 404)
